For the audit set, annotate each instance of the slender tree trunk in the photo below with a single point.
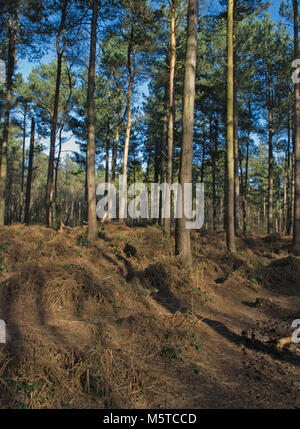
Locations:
(171, 105)
(183, 236)
(91, 144)
(23, 167)
(29, 175)
(115, 155)
(289, 182)
(107, 153)
(285, 195)
(293, 184)
(236, 151)
(202, 163)
(230, 132)
(12, 38)
(214, 200)
(279, 216)
(245, 186)
(164, 222)
(131, 72)
(108, 133)
(271, 176)
(117, 138)
(60, 53)
(225, 189)
(213, 138)
(57, 205)
(297, 137)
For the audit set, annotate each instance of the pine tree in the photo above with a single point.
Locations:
(183, 236)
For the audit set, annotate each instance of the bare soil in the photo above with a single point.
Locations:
(118, 323)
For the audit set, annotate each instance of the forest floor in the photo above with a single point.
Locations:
(118, 324)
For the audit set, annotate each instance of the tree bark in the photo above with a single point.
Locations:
(29, 175)
(183, 236)
(117, 138)
(23, 166)
(57, 205)
(214, 179)
(236, 152)
(131, 72)
(60, 53)
(245, 185)
(167, 222)
(289, 183)
(12, 38)
(271, 176)
(108, 132)
(297, 137)
(91, 144)
(230, 132)
(115, 155)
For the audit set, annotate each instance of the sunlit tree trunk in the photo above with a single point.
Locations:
(183, 236)
(245, 183)
(214, 172)
(131, 72)
(115, 155)
(23, 167)
(230, 132)
(271, 176)
(171, 104)
(162, 173)
(91, 143)
(29, 174)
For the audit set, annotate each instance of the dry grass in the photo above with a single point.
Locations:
(117, 324)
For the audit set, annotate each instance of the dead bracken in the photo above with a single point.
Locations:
(83, 333)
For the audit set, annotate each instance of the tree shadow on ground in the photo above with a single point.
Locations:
(158, 277)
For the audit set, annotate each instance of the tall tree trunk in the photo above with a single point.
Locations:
(117, 138)
(57, 205)
(289, 183)
(108, 133)
(91, 144)
(183, 236)
(297, 136)
(279, 210)
(214, 173)
(285, 195)
(29, 174)
(271, 176)
(60, 53)
(12, 38)
(236, 151)
(245, 185)
(131, 72)
(293, 185)
(202, 162)
(115, 155)
(230, 132)
(164, 222)
(23, 167)
(171, 105)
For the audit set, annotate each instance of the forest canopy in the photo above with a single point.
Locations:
(107, 95)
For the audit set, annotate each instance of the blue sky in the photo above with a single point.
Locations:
(70, 146)
(25, 67)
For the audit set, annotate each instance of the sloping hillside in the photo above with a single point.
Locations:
(118, 324)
